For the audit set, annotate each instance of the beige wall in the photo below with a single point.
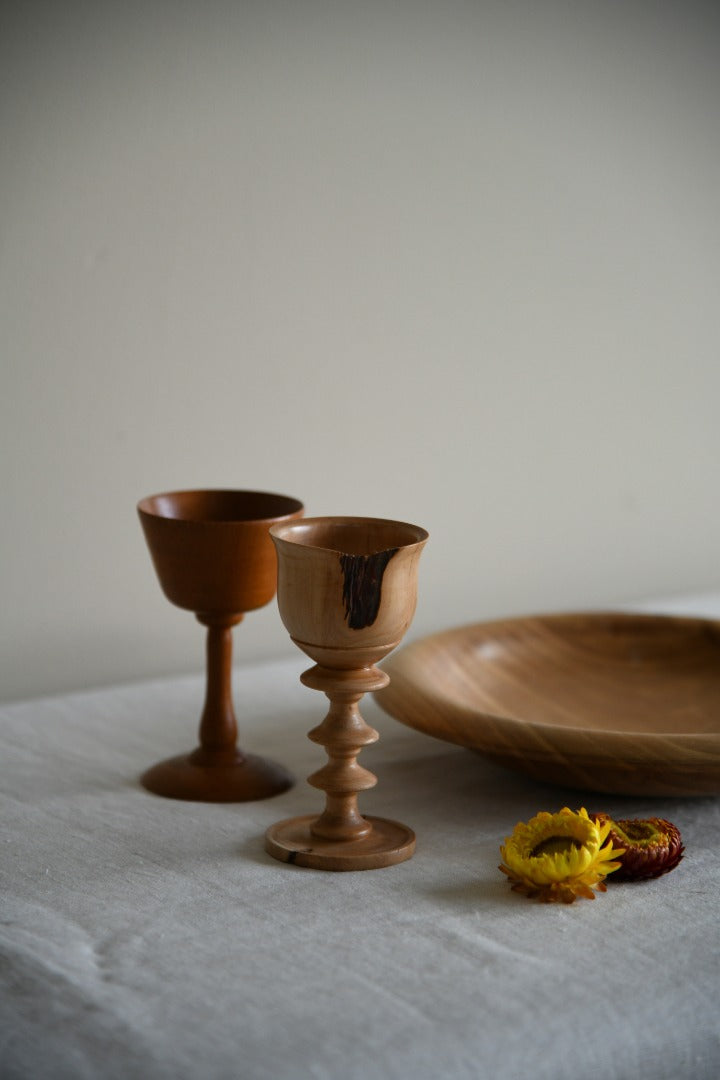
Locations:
(456, 263)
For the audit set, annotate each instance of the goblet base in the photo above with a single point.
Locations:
(292, 841)
(242, 778)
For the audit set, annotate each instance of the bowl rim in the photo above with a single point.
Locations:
(397, 668)
(284, 531)
(145, 507)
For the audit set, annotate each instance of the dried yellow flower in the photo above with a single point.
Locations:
(558, 857)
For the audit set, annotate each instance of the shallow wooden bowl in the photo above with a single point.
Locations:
(607, 702)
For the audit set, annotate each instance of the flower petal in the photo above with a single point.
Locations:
(652, 846)
(559, 857)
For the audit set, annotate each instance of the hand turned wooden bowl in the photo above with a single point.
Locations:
(611, 702)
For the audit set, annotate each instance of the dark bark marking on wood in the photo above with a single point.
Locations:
(362, 586)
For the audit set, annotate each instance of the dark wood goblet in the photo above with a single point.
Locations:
(213, 555)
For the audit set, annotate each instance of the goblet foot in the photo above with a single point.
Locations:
(387, 843)
(234, 778)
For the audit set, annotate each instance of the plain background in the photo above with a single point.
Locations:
(454, 263)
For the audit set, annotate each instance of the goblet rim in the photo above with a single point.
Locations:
(284, 530)
(291, 505)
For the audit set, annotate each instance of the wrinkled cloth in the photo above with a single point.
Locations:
(142, 936)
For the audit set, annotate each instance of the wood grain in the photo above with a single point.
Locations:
(347, 590)
(610, 702)
(347, 586)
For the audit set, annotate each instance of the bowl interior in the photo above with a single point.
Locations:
(608, 702)
(613, 673)
(351, 536)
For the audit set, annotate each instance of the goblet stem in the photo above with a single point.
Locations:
(341, 838)
(218, 771)
(343, 733)
(218, 726)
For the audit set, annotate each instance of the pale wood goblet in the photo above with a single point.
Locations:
(347, 590)
(213, 555)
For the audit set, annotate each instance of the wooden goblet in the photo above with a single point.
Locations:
(213, 555)
(347, 589)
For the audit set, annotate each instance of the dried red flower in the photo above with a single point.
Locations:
(653, 846)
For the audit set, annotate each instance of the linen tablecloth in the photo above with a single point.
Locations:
(147, 937)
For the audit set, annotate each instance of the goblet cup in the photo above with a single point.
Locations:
(347, 590)
(213, 555)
